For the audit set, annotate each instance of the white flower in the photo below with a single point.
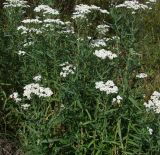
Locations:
(141, 75)
(25, 106)
(37, 78)
(21, 52)
(154, 102)
(28, 44)
(15, 3)
(98, 43)
(35, 88)
(67, 69)
(55, 21)
(151, 1)
(102, 29)
(150, 130)
(45, 9)
(23, 29)
(28, 21)
(118, 99)
(82, 10)
(103, 54)
(108, 87)
(135, 5)
(15, 97)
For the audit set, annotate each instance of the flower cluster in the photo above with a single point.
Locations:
(141, 75)
(135, 5)
(150, 130)
(102, 29)
(25, 106)
(15, 97)
(67, 69)
(45, 9)
(27, 44)
(54, 21)
(154, 102)
(15, 4)
(109, 87)
(118, 99)
(151, 1)
(25, 30)
(37, 78)
(103, 54)
(82, 10)
(28, 21)
(21, 52)
(35, 88)
(98, 43)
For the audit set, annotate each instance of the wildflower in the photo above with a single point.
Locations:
(62, 106)
(25, 106)
(118, 99)
(154, 102)
(21, 52)
(55, 21)
(35, 88)
(98, 43)
(141, 75)
(82, 10)
(103, 54)
(15, 4)
(67, 69)
(109, 87)
(150, 130)
(28, 21)
(28, 44)
(37, 78)
(15, 97)
(45, 9)
(151, 1)
(102, 29)
(36, 31)
(135, 5)
(23, 29)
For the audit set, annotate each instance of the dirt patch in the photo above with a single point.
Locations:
(9, 148)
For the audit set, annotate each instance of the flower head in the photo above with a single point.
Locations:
(109, 87)
(103, 54)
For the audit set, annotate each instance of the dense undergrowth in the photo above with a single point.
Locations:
(83, 81)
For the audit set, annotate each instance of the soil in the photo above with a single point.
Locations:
(9, 148)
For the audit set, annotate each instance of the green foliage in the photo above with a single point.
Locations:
(78, 118)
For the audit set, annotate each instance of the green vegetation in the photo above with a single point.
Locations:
(51, 108)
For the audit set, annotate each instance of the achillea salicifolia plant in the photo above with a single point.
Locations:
(15, 4)
(102, 29)
(135, 5)
(103, 54)
(67, 69)
(98, 43)
(82, 10)
(46, 10)
(154, 102)
(141, 75)
(41, 42)
(108, 87)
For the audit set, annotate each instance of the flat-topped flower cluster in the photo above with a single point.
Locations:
(154, 102)
(108, 87)
(67, 69)
(103, 54)
(135, 5)
(15, 4)
(82, 10)
(45, 9)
